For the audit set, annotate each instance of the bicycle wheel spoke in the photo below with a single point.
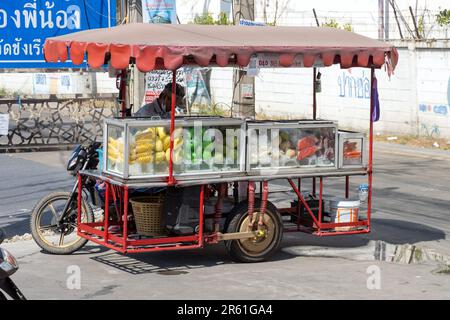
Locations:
(49, 227)
(61, 239)
(53, 210)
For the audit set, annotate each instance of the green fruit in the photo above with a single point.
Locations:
(207, 155)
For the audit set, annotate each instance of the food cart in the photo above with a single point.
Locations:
(213, 196)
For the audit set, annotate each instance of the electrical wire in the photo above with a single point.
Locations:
(86, 14)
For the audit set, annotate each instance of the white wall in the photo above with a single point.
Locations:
(415, 100)
(24, 83)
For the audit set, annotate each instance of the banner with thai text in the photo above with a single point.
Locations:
(26, 24)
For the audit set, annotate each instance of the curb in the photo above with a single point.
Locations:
(43, 148)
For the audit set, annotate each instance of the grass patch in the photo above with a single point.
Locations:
(416, 141)
(445, 270)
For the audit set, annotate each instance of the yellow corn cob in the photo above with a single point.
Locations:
(161, 132)
(166, 143)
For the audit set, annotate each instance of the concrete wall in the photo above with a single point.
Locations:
(415, 100)
(27, 84)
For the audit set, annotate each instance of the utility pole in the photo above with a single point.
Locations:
(380, 19)
(243, 103)
(137, 78)
(386, 20)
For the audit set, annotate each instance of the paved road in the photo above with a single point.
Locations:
(411, 193)
(411, 202)
(26, 178)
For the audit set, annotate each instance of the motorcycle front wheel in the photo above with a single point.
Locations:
(57, 238)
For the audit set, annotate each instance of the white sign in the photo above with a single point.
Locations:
(251, 23)
(247, 91)
(272, 60)
(61, 83)
(155, 82)
(4, 124)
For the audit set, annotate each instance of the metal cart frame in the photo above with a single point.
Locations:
(370, 56)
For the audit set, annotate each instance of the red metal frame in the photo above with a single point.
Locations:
(172, 180)
(122, 242)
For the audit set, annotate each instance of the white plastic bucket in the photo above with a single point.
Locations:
(343, 211)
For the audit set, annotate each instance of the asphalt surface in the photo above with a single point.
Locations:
(411, 206)
(26, 178)
(411, 201)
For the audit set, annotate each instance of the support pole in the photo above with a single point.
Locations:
(320, 202)
(265, 196)
(125, 218)
(314, 117)
(251, 203)
(347, 187)
(243, 106)
(370, 164)
(201, 216)
(172, 126)
(106, 222)
(123, 93)
(223, 188)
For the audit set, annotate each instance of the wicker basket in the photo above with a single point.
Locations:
(147, 212)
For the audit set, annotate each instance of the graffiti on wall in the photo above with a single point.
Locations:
(438, 109)
(432, 131)
(354, 86)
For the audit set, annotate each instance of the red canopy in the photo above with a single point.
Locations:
(170, 46)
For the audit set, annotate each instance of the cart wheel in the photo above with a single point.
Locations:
(259, 248)
(54, 238)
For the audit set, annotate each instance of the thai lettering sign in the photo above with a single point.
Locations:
(25, 24)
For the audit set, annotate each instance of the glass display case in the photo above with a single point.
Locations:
(352, 150)
(140, 148)
(284, 146)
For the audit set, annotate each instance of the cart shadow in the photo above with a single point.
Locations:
(172, 263)
(164, 263)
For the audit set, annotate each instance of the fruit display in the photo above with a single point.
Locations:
(207, 149)
(115, 155)
(287, 147)
(352, 153)
(149, 151)
(290, 146)
(316, 147)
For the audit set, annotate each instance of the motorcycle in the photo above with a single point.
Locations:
(53, 221)
(8, 266)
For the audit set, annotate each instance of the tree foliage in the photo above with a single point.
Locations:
(207, 18)
(443, 18)
(332, 23)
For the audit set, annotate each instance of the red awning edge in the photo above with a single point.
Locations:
(227, 47)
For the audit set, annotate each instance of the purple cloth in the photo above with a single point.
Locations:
(376, 101)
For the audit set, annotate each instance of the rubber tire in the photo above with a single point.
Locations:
(50, 249)
(233, 223)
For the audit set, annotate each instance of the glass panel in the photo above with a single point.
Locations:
(291, 147)
(272, 147)
(199, 148)
(288, 149)
(206, 148)
(149, 150)
(352, 153)
(115, 149)
(316, 147)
